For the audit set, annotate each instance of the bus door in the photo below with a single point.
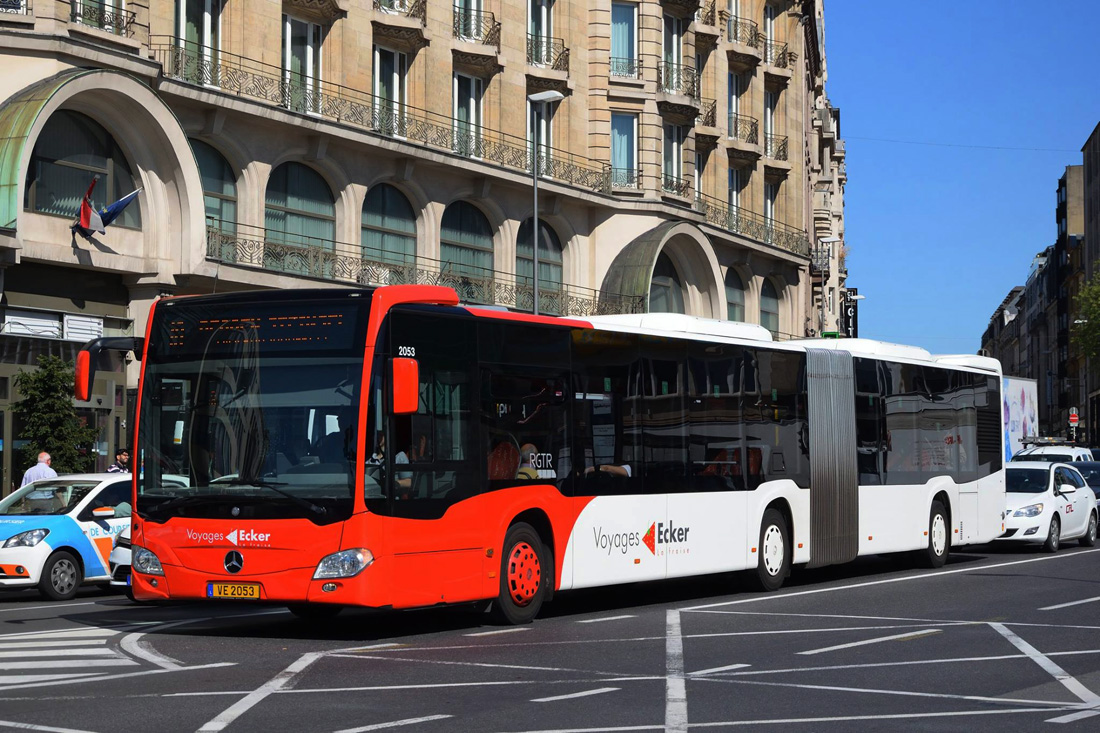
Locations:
(436, 544)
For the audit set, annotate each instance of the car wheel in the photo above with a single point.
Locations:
(774, 556)
(61, 576)
(1054, 537)
(939, 538)
(523, 576)
(314, 611)
(1090, 534)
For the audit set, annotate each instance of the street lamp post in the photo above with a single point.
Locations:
(825, 283)
(542, 98)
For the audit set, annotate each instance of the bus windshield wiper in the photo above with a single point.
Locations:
(260, 483)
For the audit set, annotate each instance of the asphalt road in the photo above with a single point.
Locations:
(999, 640)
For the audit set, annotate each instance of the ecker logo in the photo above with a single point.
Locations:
(240, 537)
(660, 538)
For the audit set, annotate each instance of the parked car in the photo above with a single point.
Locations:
(1090, 471)
(1048, 503)
(1095, 453)
(120, 562)
(57, 534)
(1054, 454)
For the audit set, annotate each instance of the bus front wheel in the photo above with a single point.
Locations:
(774, 555)
(939, 537)
(522, 580)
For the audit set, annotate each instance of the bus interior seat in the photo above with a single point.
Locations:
(503, 461)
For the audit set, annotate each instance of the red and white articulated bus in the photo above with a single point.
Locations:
(390, 448)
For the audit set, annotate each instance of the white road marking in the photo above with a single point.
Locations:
(586, 693)
(134, 645)
(1074, 717)
(97, 677)
(923, 576)
(54, 652)
(865, 642)
(276, 683)
(56, 605)
(1065, 678)
(69, 663)
(499, 631)
(44, 728)
(676, 714)
(608, 618)
(45, 644)
(59, 634)
(1071, 603)
(395, 723)
(712, 670)
(14, 679)
(491, 665)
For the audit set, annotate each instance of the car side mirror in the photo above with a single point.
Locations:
(103, 512)
(1067, 488)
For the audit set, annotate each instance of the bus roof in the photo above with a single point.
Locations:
(677, 324)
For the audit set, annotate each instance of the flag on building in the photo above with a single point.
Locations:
(90, 220)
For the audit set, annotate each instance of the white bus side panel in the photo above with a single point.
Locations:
(608, 542)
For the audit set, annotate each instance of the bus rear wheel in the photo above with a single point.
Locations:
(774, 554)
(939, 538)
(522, 582)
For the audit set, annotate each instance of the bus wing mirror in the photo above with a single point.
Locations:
(103, 353)
(406, 386)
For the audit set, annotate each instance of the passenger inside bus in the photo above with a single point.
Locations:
(527, 454)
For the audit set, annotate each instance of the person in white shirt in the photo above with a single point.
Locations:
(40, 470)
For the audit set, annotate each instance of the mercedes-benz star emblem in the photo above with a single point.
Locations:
(235, 511)
(233, 561)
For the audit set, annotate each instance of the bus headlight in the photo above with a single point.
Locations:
(1033, 510)
(146, 562)
(345, 564)
(30, 538)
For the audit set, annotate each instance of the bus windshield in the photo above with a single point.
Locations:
(248, 410)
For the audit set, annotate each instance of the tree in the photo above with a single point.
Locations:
(1085, 332)
(49, 418)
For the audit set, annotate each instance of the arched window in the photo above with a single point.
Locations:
(219, 188)
(550, 268)
(70, 151)
(735, 296)
(389, 227)
(300, 208)
(466, 241)
(769, 306)
(666, 294)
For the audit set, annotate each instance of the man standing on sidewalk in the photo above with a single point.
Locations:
(40, 470)
(122, 462)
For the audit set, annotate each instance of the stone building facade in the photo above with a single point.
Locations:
(689, 160)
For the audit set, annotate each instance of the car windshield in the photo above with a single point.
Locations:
(1090, 471)
(46, 497)
(1027, 480)
(249, 410)
(1045, 457)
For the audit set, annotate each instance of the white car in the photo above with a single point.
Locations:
(1054, 454)
(1048, 503)
(58, 533)
(120, 562)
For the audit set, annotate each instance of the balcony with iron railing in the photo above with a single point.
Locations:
(242, 77)
(776, 54)
(677, 186)
(625, 68)
(752, 225)
(708, 113)
(14, 8)
(629, 179)
(743, 129)
(416, 9)
(775, 146)
(352, 264)
(706, 24)
(679, 79)
(547, 52)
(103, 17)
(478, 26)
(743, 41)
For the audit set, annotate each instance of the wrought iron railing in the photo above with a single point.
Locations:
(15, 7)
(678, 79)
(624, 177)
(750, 224)
(775, 146)
(244, 77)
(625, 67)
(708, 14)
(546, 51)
(744, 128)
(476, 25)
(343, 262)
(708, 114)
(682, 187)
(740, 30)
(104, 17)
(776, 54)
(409, 8)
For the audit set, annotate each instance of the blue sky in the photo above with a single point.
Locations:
(938, 235)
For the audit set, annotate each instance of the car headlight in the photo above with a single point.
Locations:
(1033, 510)
(345, 564)
(146, 562)
(30, 538)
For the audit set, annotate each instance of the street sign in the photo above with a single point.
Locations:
(1073, 419)
(849, 315)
